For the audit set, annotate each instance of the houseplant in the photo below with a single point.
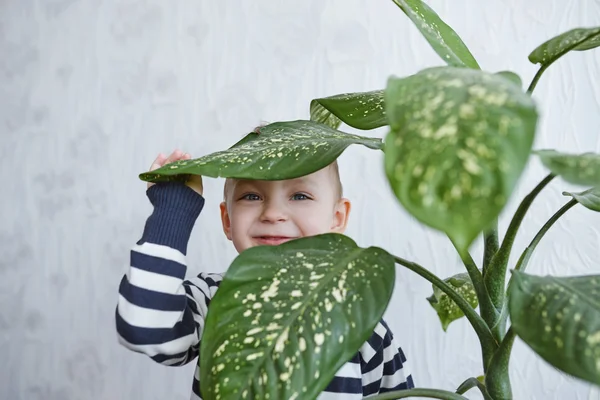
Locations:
(459, 139)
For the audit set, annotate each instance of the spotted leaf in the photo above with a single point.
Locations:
(511, 76)
(320, 113)
(575, 39)
(444, 41)
(282, 150)
(559, 318)
(580, 169)
(459, 141)
(446, 308)
(359, 110)
(287, 317)
(589, 199)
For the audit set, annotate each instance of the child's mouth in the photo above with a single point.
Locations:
(272, 240)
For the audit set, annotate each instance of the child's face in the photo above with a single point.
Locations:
(273, 212)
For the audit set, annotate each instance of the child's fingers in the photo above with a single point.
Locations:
(175, 156)
(158, 162)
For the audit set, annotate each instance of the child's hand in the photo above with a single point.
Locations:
(193, 181)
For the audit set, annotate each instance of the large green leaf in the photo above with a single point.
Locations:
(459, 141)
(589, 199)
(282, 150)
(320, 113)
(446, 43)
(287, 317)
(575, 39)
(359, 110)
(446, 308)
(559, 318)
(580, 169)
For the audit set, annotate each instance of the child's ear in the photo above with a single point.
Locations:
(225, 220)
(341, 213)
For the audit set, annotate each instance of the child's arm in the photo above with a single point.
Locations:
(383, 364)
(158, 313)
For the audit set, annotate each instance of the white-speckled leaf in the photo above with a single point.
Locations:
(363, 110)
(589, 198)
(287, 317)
(575, 39)
(511, 76)
(580, 169)
(319, 113)
(559, 318)
(459, 141)
(282, 150)
(446, 308)
(446, 43)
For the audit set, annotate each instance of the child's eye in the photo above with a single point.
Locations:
(300, 196)
(250, 196)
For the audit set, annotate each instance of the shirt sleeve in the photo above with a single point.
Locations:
(384, 366)
(158, 312)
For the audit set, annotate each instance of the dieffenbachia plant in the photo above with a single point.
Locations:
(287, 317)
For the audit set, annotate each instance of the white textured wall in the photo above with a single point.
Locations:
(91, 90)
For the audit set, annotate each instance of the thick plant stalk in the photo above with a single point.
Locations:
(488, 311)
(488, 343)
(491, 245)
(495, 277)
(497, 380)
(423, 393)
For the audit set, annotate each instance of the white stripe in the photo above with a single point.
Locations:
(349, 370)
(380, 330)
(199, 299)
(175, 346)
(147, 317)
(391, 381)
(390, 352)
(173, 361)
(154, 281)
(372, 376)
(339, 396)
(160, 251)
(367, 352)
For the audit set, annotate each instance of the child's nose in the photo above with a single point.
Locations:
(273, 212)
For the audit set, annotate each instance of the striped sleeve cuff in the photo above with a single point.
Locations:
(176, 208)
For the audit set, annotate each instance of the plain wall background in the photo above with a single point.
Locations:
(91, 91)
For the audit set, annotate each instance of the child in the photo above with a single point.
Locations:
(162, 315)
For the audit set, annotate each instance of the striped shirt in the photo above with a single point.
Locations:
(161, 314)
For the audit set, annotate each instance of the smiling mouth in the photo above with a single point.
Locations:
(272, 240)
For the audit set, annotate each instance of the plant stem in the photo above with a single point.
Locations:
(488, 311)
(497, 380)
(495, 276)
(490, 238)
(427, 393)
(524, 259)
(488, 343)
(470, 384)
(536, 78)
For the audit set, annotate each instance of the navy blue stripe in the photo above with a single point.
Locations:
(156, 264)
(190, 355)
(390, 367)
(150, 299)
(373, 363)
(345, 385)
(371, 388)
(375, 341)
(143, 336)
(402, 356)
